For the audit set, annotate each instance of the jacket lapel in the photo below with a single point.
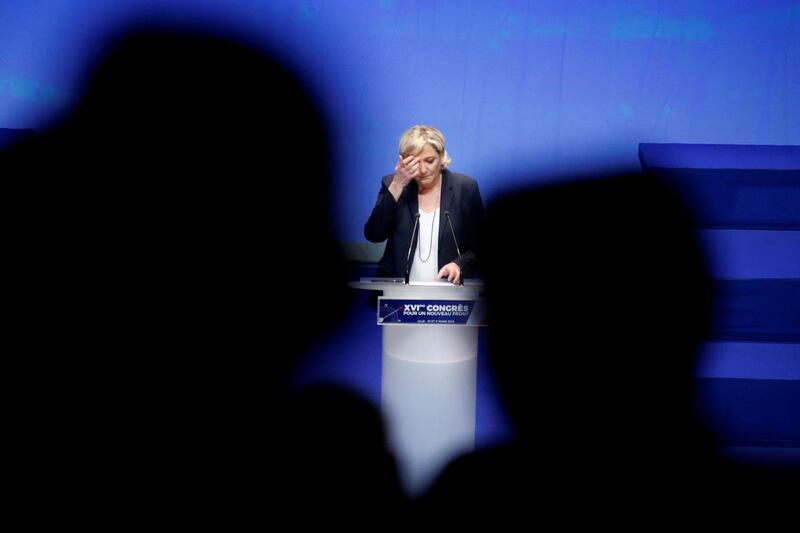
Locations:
(445, 204)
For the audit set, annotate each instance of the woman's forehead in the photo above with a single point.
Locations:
(425, 151)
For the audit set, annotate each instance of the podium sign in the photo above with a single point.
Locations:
(392, 311)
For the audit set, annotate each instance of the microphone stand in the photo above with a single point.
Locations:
(410, 247)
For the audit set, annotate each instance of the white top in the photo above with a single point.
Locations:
(425, 263)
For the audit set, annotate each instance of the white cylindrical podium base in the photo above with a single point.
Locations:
(428, 392)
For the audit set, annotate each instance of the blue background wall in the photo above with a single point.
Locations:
(549, 86)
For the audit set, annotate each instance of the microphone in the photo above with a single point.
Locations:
(410, 246)
(453, 233)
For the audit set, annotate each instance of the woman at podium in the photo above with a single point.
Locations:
(431, 218)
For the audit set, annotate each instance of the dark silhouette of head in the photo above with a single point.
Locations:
(171, 233)
(598, 298)
(186, 196)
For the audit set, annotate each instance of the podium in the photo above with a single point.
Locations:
(428, 372)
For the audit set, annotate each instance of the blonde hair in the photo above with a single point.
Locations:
(416, 137)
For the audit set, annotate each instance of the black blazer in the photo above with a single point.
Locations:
(394, 220)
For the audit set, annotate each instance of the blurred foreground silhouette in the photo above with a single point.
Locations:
(599, 297)
(169, 238)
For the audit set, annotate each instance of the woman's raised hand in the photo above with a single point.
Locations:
(406, 170)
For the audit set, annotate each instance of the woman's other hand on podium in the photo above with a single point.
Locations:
(451, 272)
